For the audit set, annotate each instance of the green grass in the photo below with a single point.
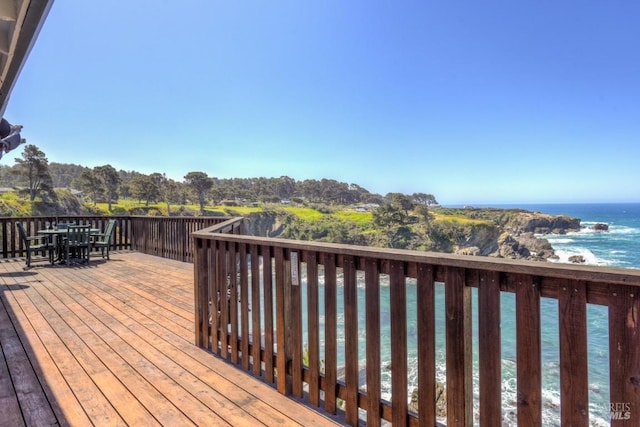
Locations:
(360, 218)
(306, 214)
(13, 205)
(461, 219)
(239, 210)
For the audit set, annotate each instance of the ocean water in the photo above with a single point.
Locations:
(619, 247)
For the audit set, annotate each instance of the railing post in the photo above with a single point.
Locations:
(350, 295)
(313, 321)
(255, 310)
(398, 303)
(528, 351)
(624, 357)
(330, 335)
(372, 307)
(293, 301)
(458, 346)
(203, 310)
(426, 344)
(283, 301)
(574, 372)
(489, 354)
(267, 272)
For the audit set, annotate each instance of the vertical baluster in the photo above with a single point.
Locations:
(489, 345)
(267, 286)
(214, 299)
(313, 321)
(201, 294)
(223, 298)
(528, 351)
(624, 357)
(330, 334)
(574, 384)
(256, 330)
(233, 300)
(372, 289)
(351, 340)
(244, 306)
(426, 345)
(458, 346)
(282, 383)
(398, 302)
(294, 321)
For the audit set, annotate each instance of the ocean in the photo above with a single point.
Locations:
(618, 247)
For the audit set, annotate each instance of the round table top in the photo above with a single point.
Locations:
(63, 231)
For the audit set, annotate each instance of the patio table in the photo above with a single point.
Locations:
(58, 234)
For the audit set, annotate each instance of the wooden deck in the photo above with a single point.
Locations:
(113, 344)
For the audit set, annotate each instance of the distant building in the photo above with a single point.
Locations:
(367, 207)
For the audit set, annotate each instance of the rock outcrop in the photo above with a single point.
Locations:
(600, 227)
(539, 223)
(514, 234)
(577, 259)
(264, 224)
(517, 236)
(441, 400)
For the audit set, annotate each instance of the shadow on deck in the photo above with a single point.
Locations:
(112, 343)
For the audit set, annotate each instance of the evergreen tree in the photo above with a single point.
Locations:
(144, 187)
(34, 168)
(90, 184)
(110, 180)
(200, 183)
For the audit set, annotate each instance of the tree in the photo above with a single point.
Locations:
(110, 180)
(424, 199)
(285, 187)
(90, 184)
(144, 187)
(425, 215)
(172, 193)
(168, 189)
(34, 167)
(389, 215)
(402, 201)
(200, 183)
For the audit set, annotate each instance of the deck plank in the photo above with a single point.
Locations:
(9, 405)
(113, 343)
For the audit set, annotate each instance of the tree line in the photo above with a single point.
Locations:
(33, 176)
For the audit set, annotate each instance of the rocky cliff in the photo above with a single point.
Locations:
(264, 224)
(515, 234)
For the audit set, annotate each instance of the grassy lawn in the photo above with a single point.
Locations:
(360, 218)
(460, 219)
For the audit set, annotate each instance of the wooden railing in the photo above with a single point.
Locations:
(167, 237)
(291, 312)
(13, 247)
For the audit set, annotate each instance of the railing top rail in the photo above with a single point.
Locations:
(223, 227)
(532, 268)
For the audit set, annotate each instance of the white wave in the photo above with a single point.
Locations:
(589, 257)
(621, 229)
(560, 240)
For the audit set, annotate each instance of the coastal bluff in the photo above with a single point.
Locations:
(515, 234)
(501, 233)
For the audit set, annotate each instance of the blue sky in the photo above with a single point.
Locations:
(474, 102)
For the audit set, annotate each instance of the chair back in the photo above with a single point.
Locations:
(108, 231)
(23, 234)
(78, 234)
